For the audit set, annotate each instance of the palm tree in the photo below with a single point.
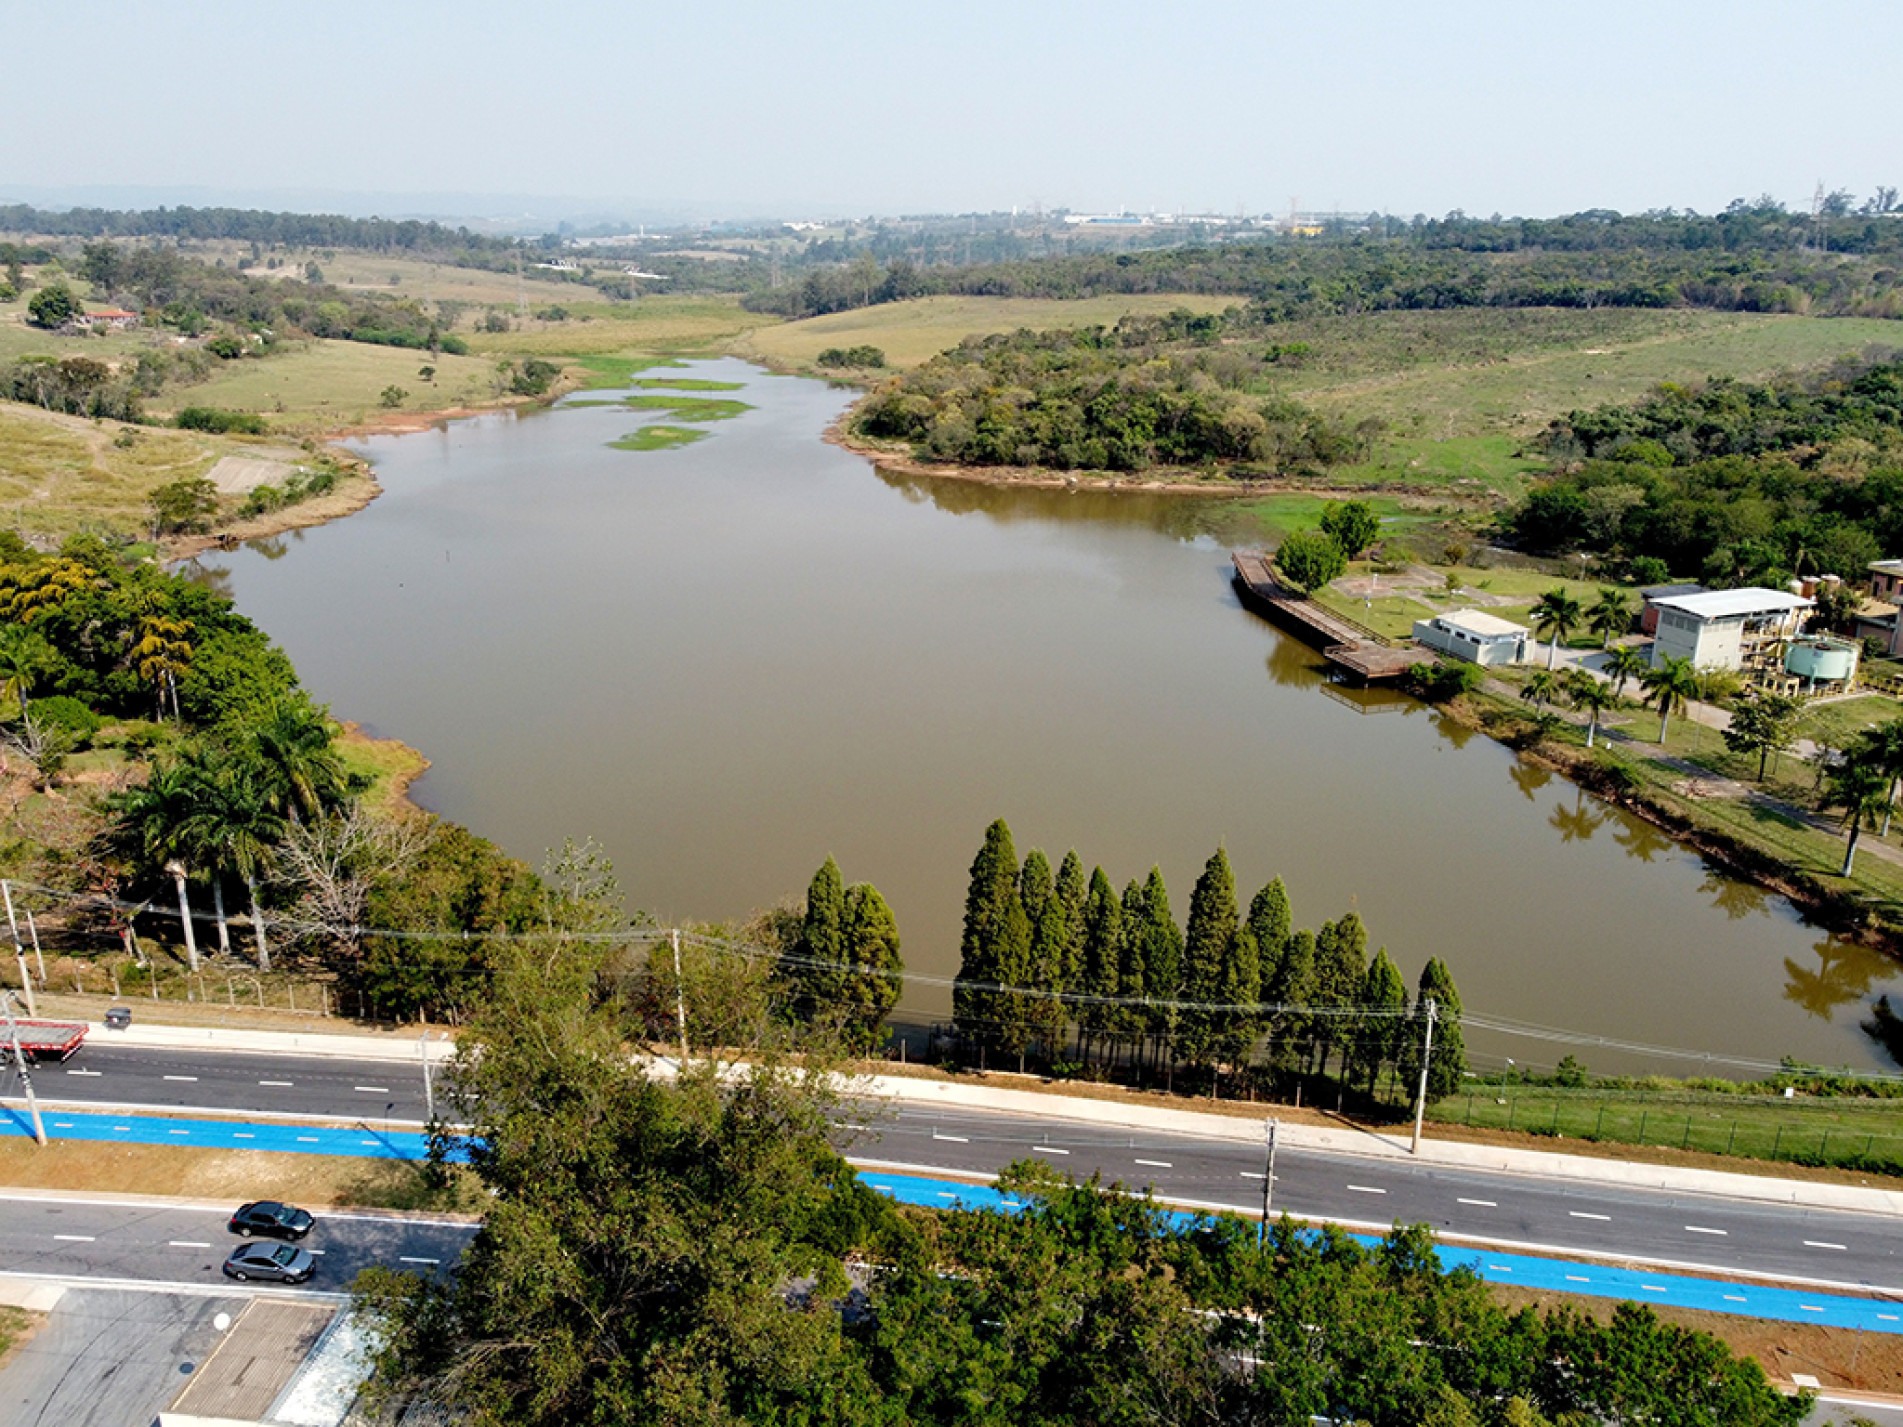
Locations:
(1594, 696)
(151, 822)
(1539, 689)
(1609, 615)
(1559, 612)
(233, 823)
(1671, 683)
(1859, 787)
(1885, 747)
(24, 656)
(291, 747)
(1623, 663)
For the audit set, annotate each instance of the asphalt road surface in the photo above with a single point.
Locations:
(1719, 1235)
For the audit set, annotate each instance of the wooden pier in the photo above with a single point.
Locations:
(1352, 647)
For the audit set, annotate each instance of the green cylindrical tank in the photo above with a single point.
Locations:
(1828, 660)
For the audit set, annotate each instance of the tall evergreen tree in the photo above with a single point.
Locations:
(1341, 960)
(1269, 921)
(872, 974)
(1447, 1062)
(1050, 948)
(995, 943)
(1162, 961)
(1102, 957)
(1130, 1022)
(1382, 1026)
(814, 963)
(1072, 890)
(1294, 986)
(1208, 950)
(1034, 884)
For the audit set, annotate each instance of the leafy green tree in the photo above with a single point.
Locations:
(1763, 724)
(1310, 559)
(25, 656)
(152, 823)
(53, 306)
(995, 948)
(1556, 615)
(1672, 683)
(814, 965)
(184, 506)
(296, 754)
(231, 824)
(1610, 615)
(1883, 745)
(1540, 688)
(873, 973)
(1353, 523)
(1162, 944)
(1857, 786)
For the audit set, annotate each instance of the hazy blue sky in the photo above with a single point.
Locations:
(824, 107)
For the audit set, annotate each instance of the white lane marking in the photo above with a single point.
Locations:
(85, 1072)
(1700, 1229)
(1810, 1308)
(76, 1238)
(242, 1135)
(62, 1124)
(279, 1084)
(1253, 1174)
(372, 1089)
(185, 1244)
(1365, 1189)
(1047, 1149)
(1480, 1203)
(1498, 1268)
(178, 1132)
(952, 1139)
(1581, 1214)
(404, 1258)
(191, 1078)
(314, 1251)
(1575, 1278)
(1654, 1288)
(1887, 1317)
(122, 1129)
(1735, 1298)
(1157, 1163)
(307, 1139)
(849, 1125)
(942, 1194)
(367, 1142)
(1820, 1244)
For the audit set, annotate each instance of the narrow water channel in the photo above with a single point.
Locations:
(727, 660)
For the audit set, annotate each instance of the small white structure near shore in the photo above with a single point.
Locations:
(1475, 636)
(1727, 629)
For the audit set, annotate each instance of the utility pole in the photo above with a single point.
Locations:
(1268, 1187)
(429, 1093)
(19, 951)
(680, 997)
(1420, 1098)
(19, 1060)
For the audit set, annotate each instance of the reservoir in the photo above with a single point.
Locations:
(727, 660)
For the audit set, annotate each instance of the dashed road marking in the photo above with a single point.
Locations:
(85, 1072)
(1157, 1163)
(185, 1244)
(1480, 1203)
(372, 1089)
(1700, 1229)
(1735, 1298)
(1253, 1174)
(277, 1084)
(1575, 1278)
(1047, 1149)
(404, 1258)
(1820, 1244)
(76, 1238)
(952, 1139)
(1365, 1189)
(307, 1139)
(189, 1079)
(1582, 1214)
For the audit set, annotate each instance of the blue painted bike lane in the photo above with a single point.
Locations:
(363, 1141)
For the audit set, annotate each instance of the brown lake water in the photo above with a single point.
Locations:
(728, 660)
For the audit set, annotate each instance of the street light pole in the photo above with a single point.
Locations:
(680, 997)
(1420, 1098)
(19, 1060)
(429, 1094)
(1268, 1186)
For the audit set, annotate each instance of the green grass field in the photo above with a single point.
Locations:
(1505, 593)
(688, 408)
(325, 385)
(913, 332)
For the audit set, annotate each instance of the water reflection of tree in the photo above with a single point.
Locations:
(1293, 665)
(216, 578)
(1529, 778)
(1640, 839)
(1452, 730)
(272, 547)
(1885, 1027)
(1579, 822)
(1736, 899)
(1844, 974)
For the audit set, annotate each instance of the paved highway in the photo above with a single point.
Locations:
(1789, 1242)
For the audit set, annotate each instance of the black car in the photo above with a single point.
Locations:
(271, 1219)
(279, 1262)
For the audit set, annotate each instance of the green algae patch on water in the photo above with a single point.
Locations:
(658, 438)
(688, 408)
(689, 384)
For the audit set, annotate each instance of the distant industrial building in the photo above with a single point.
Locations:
(1879, 617)
(1648, 602)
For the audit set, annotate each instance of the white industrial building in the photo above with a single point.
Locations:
(1475, 636)
(1726, 629)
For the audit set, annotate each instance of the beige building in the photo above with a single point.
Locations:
(1727, 629)
(1475, 636)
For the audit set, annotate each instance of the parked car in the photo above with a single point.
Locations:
(281, 1263)
(271, 1219)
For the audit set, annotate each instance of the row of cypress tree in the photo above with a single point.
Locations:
(842, 967)
(1045, 955)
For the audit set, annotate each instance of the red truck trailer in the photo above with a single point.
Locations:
(45, 1040)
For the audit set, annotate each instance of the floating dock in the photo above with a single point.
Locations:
(1354, 649)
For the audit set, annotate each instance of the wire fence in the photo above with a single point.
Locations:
(1844, 1132)
(217, 984)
